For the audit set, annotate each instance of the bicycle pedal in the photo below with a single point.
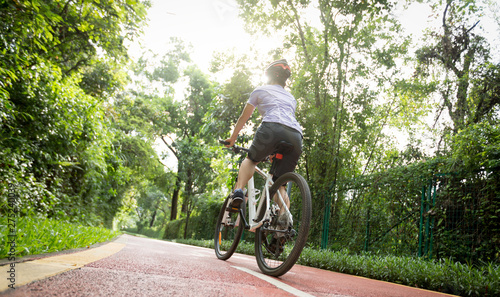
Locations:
(233, 209)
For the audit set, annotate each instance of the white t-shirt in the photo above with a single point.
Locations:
(276, 105)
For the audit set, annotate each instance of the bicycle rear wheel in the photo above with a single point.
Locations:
(228, 231)
(278, 245)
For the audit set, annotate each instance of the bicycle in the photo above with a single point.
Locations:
(280, 231)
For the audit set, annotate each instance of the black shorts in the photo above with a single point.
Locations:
(264, 143)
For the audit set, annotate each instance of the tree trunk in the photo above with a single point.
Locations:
(175, 199)
(152, 219)
(186, 225)
(188, 190)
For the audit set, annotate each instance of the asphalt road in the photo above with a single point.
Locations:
(145, 267)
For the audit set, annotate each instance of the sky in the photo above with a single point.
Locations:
(214, 25)
(209, 25)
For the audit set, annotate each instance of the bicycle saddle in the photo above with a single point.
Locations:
(283, 147)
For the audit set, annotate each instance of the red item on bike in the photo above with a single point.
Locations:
(279, 156)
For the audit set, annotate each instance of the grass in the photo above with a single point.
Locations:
(443, 276)
(42, 235)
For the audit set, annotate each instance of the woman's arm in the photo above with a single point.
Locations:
(245, 115)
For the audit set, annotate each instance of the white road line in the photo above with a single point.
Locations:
(243, 258)
(275, 282)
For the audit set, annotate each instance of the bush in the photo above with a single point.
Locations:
(155, 232)
(202, 222)
(174, 229)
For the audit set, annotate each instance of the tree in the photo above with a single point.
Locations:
(56, 137)
(155, 78)
(190, 146)
(231, 95)
(136, 120)
(469, 85)
(180, 125)
(65, 33)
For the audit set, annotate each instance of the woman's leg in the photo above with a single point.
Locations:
(285, 197)
(247, 169)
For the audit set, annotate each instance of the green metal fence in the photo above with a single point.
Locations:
(445, 216)
(465, 217)
(427, 219)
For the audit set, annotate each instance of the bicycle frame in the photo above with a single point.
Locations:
(252, 193)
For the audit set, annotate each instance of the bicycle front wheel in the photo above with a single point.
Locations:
(279, 242)
(227, 231)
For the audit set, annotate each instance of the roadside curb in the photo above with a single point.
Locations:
(5, 261)
(31, 269)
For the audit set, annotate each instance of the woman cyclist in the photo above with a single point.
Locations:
(277, 108)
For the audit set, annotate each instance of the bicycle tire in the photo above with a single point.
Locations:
(273, 262)
(227, 236)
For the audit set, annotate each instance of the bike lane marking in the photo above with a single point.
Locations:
(275, 282)
(27, 272)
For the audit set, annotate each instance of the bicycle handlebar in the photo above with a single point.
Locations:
(235, 148)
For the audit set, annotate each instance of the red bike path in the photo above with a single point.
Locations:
(134, 266)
